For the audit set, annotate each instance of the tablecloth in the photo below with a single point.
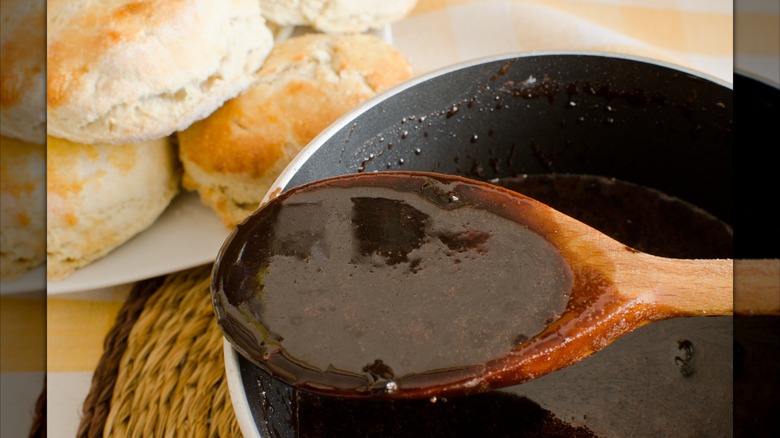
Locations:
(695, 34)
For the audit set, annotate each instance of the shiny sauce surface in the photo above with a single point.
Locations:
(376, 283)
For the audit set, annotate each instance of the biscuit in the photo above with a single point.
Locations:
(99, 196)
(232, 157)
(336, 16)
(23, 70)
(124, 71)
(22, 206)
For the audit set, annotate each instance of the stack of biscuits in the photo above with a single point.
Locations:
(22, 137)
(146, 98)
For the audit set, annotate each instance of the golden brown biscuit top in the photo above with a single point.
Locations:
(381, 64)
(22, 50)
(306, 83)
(80, 32)
(17, 180)
(70, 165)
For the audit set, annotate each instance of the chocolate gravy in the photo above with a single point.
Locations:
(377, 285)
(640, 217)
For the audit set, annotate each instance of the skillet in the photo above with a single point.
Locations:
(635, 121)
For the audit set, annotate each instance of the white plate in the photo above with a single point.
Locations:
(186, 235)
(33, 280)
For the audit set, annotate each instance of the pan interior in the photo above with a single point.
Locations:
(611, 119)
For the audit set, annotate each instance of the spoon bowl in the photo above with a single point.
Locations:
(595, 289)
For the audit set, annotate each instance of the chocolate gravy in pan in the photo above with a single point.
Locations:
(639, 217)
(642, 218)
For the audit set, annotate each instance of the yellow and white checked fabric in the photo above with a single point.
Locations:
(696, 34)
(22, 360)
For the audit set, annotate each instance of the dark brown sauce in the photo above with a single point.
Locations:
(288, 412)
(387, 285)
(647, 374)
(640, 217)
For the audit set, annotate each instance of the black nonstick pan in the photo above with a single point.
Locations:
(640, 150)
(757, 235)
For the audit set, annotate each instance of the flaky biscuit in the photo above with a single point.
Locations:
(232, 157)
(99, 196)
(22, 206)
(336, 16)
(124, 71)
(23, 70)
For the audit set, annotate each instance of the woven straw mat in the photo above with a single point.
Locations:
(162, 371)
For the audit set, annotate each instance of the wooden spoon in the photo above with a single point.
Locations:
(610, 289)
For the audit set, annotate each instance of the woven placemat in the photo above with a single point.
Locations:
(162, 372)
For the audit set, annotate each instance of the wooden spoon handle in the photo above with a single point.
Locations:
(757, 287)
(692, 287)
(704, 287)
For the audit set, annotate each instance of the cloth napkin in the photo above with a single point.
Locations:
(695, 34)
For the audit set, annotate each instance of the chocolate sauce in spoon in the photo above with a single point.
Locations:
(369, 284)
